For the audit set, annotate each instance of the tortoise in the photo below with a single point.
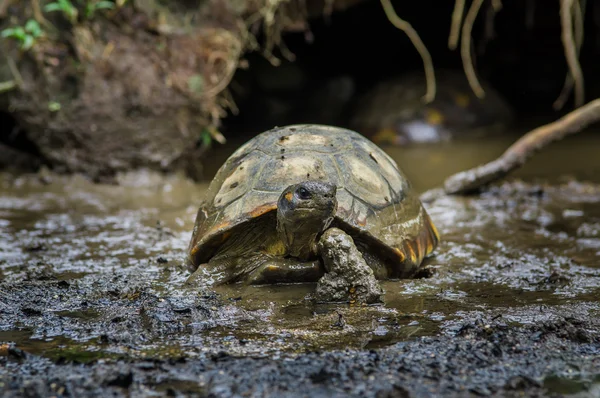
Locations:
(271, 200)
(393, 112)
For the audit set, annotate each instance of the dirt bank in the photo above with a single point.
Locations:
(137, 84)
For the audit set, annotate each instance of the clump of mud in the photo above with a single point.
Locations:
(348, 277)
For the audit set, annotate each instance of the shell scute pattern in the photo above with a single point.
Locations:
(372, 191)
(353, 210)
(292, 168)
(301, 140)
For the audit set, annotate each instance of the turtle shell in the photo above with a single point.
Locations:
(375, 199)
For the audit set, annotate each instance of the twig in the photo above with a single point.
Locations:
(39, 16)
(571, 51)
(457, 16)
(3, 7)
(418, 43)
(489, 32)
(18, 79)
(529, 14)
(578, 19)
(465, 50)
(519, 152)
(7, 86)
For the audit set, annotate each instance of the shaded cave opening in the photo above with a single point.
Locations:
(353, 49)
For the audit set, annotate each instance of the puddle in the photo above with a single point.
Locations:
(577, 386)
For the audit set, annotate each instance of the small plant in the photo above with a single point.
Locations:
(64, 6)
(92, 6)
(71, 12)
(206, 138)
(27, 34)
(54, 106)
(208, 135)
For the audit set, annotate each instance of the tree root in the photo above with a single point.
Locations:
(519, 152)
(457, 16)
(578, 18)
(414, 37)
(465, 48)
(571, 12)
(17, 78)
(571, 50)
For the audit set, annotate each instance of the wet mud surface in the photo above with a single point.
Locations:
(92, 301)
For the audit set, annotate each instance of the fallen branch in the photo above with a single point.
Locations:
(519, 152)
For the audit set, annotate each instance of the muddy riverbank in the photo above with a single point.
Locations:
(92, 300)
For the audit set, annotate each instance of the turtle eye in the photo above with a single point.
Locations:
(303, 193)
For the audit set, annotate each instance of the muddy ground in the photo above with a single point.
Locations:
(92, 301)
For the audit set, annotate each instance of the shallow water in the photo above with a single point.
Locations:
(520, 252)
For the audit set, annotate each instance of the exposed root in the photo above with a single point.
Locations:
(489, 32)
(571, 50)
(522, 150)
(529, 14)
(7, 86)
(457, 16)
(17, 78)
(418, 43)
(4, 7)
(578, 21)
(465, 50)
(39, 16)
(273, 20)
(225, 50)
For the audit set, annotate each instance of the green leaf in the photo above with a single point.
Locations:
(17, 33)
(33, 27)
(51, 7)
(28, 42)
(9, 32)
(54, 106)
(196, 83)
(206, 138)
(104, 5)
(66, 5)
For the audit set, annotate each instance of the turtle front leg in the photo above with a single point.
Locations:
(348, 276)
(285, 270)
(256, 269)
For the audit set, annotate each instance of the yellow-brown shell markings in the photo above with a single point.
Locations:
(373, 195)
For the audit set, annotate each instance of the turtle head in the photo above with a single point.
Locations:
(304, 211)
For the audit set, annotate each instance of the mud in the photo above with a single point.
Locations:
(92, 298)
(348, 277)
